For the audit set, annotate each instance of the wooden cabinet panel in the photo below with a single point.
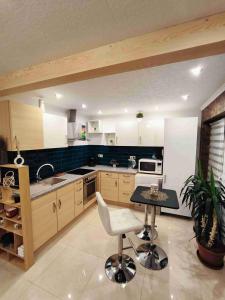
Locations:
(126, 176)
(65, 204)
(124, 196)
(78, 197)
(110, 188)
(109, 175)
(44, 219)
(126, 187)
(126, 184)
(27, 125)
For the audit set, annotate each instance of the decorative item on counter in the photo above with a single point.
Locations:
(160, 184)
(131, 163)
(16, 198)
(139, 116)
(11, 212)
(19, 160)
(9, 179)
(154, 189)
(20, 251)
(1, 208)
(3, 152)
(114, 163)
(83, 133)
(17, 226)
(1, 221)
(7, 239)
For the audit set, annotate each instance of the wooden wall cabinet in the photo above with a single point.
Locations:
(44, 218)
(22, 122)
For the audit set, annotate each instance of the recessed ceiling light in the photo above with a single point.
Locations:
(58, 95)
(125, 110)
(99, 112)
(196, 71)
(156, 107)
(185, 97)
(84, 106)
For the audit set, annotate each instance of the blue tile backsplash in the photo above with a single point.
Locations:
(64, 159)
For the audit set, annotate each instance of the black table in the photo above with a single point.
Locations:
(150, 255)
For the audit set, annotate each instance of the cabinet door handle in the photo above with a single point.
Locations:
(115, 183)
(54, 207)
(126, 194)
(60, 203)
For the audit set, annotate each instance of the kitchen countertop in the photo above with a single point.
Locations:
(40, 189)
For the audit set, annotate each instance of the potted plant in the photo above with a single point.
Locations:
(206, 199)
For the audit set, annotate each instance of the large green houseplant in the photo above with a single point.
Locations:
(206, 199)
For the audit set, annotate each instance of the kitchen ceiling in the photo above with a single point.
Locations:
(167, 88)
(35, 31)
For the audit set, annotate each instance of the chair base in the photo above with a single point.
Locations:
(152, 257)
(147, 233)
(120, 270)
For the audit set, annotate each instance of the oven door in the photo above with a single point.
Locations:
(89, 190)
(147, 167)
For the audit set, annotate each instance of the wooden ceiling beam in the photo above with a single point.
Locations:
(198, 38)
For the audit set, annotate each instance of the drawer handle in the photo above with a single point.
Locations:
(54, 207)
(127, 194)
(125, 181)
(60, 203)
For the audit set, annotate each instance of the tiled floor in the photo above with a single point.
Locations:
(72, 267)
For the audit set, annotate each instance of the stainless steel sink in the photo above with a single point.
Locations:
(52, 181)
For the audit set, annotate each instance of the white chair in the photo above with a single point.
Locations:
(119, 267)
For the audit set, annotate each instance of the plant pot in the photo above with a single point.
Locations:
(210, 258)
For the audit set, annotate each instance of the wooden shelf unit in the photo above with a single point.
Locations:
(22, 236)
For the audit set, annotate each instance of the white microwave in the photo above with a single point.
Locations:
(150, 166)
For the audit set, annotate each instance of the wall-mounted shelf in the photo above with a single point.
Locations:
(95, 126)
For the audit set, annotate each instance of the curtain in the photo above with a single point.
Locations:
(216, 149)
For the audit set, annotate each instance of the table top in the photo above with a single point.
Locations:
(170, 202)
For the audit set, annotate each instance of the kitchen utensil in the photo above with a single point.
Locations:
(19, 160)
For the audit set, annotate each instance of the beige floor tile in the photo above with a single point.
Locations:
(100, 287)
(68, 273)
(72, 267)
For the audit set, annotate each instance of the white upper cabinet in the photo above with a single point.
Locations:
(55, 131)
(127, 133)
(151, 132)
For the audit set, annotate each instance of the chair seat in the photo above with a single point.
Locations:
(124, 221)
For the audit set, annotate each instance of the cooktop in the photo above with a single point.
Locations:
(80, 171)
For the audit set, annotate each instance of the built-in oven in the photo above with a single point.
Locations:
(90, 184)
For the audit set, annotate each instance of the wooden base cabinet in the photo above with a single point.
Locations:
(126, 187)
(44, 219)
(109, 186)
(65, 205)
(79, 207)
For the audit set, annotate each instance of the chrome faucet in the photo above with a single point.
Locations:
(38, 177)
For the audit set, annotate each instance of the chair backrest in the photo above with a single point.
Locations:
(103, 213)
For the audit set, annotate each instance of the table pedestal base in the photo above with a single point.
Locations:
(152, 257)
(147, 233)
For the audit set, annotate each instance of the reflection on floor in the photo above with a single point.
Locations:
(72, 267)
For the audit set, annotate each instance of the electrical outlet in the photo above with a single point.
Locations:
(100, 155)
(132, 157)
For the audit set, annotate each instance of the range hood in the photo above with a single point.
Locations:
(71, 125)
